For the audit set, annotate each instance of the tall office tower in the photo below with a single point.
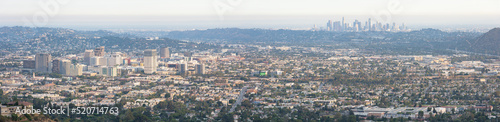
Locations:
(150, 63)
(164, 52)
(94, 61)
(342, 24)
(355, 25)
(329, 25)
(358, 24)
(43, 63)
(114, 59)
(200, 69)
(336, 26)
(379, 26)
(99, 51)
(396, 27)
(370, 24)
(76, 69)
(103, 61)
(183, 68)
(65, 67)
(365, 28)
(56, 66)
(87, 55)
(355, 28)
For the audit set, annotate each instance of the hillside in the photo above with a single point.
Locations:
(68, 41)
(488, 43)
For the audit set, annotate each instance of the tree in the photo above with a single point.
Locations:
(28, 117)
(14, 117)
(167, 95)
(420, 114)
(247, 104)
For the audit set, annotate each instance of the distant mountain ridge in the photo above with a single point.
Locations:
(488, 43)
(62, 40)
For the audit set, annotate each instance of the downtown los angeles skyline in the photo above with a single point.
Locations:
(202, 14)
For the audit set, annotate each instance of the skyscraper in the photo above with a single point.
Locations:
(94, 61)
(150, 63)
(76, 69)
(115, 59)
(337, 26)
(369, 24)
(183, 68)
(329, 25)
(99, 51)
(65, 66)
(87, 55)
(200, 69)
(55, 66)
(342, 24)
(43, 63)
(164, 52)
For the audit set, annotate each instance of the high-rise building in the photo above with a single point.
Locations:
(87, 55)
(370, 24)
(342, 25)
(103, 61)
(164, 52)
(183, 68)
(150, 62)
(65, 67)
(329, 25)
(337, 26)
(43, 63)
(99, 51)
(95, 61)
(76, 69)
(114, 59)
(55, 66)
(200, 69)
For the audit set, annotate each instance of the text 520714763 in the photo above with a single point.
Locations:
(95, 110)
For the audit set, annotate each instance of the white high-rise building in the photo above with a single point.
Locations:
(87, 55)
(95, 61)
(65, 67)
(150, 62)
(76, 69)
(103, 61)
(114, 59)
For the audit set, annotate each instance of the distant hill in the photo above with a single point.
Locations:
(488, 43)
(62, 40)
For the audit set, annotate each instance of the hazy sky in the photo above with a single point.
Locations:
(186, 14)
